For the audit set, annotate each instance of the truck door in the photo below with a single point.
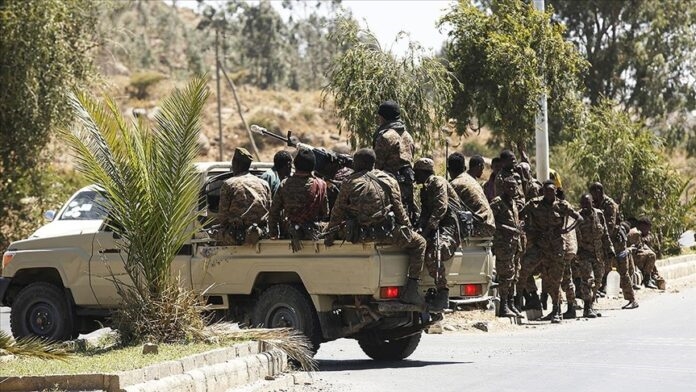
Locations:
(106, 267)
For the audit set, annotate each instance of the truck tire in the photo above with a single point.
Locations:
(42, 310)
(390, 350)
(286, 306)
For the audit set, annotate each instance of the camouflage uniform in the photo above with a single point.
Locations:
(244, 204)
(394, 148)
(506, 245)
(437, 217)
(363, 204)
(624, 264)
(570, 256)
(545, 223)
(593, 244)
(643, 256)
(473, 198)
(302, 198)
(500, 179)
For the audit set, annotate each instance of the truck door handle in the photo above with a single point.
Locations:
(103, 251)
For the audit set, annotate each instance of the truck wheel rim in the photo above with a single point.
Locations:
(282, 316)
(41, 319)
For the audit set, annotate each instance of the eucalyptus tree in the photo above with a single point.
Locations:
(363, 75)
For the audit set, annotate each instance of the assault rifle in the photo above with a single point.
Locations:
(323, 157)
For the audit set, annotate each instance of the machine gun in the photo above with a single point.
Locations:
(323, 157)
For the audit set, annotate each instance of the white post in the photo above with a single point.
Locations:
(542, 128)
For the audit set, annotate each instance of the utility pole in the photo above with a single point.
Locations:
(542, 126)
(217, 82)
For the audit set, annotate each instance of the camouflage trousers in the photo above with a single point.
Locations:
(623, 267)
(598, 270)
(449, 242)
(645, 261)
(552, 264)
(414, 244)
(580, 267)
(507, 266)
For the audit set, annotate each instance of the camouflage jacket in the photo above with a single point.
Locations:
(302, 198)
(544, 221)
(363, 199)
(244, 200)
(611, 215)
(473, 198)
(644, 243)
(507, 222)
(437, 198)
(593, 236)
(394, 147)
(519, 194)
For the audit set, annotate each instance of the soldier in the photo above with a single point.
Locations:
(438, 224)
(244, 203)
(476, 164)
(623, 256)
(506, 246)
(369, 207)
(508, 168)
(546, 218)
(394, 148)
(471, 194)
(644, 254)
(593, 244)
(302, 198)
(280, 170)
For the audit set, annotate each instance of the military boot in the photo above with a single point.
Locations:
(518, 301)
(440, 302)
(588, 311)
(570, 313)
(411, 293)
(512, 307)
(557, 316)
(532, 302)
(649, 283)
(504, 310)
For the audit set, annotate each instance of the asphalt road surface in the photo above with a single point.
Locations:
(652, 348)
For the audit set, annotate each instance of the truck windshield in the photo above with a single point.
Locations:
(86, 205)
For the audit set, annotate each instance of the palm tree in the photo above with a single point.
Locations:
(147, 174)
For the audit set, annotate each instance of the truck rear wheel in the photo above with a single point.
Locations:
(390, 350)
(42, 310)
(286, 306)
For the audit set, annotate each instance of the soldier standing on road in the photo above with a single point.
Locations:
(438, 225)
(506, 246)
(593, 244)
(394, 148)
(508, 168)
(369, 207)
(471, 194)
(302, 198)
(244, 203)
(545, 228)
(282, 160)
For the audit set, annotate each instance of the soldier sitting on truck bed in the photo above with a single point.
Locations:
(302, 198)
(244, 204)
(369, 208)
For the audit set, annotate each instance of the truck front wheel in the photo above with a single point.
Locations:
(286, 306)
(42, 310)
(389, 350)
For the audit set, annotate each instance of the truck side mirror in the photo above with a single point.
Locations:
(49, 215)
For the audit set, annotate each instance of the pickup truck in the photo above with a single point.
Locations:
(60, 280)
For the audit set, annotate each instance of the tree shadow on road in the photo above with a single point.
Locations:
(328, 365)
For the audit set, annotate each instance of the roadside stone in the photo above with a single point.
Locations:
(434, 329)
(150, 348)
(483, 326)
(449, 328)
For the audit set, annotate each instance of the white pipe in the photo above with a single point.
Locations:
(542, 128)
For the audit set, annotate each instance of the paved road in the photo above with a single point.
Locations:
(650, 349)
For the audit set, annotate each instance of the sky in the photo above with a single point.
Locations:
(386, 18)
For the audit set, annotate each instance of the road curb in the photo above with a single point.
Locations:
(677, 267)
(212, 371)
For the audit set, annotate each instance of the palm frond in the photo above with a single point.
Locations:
(31, 347)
